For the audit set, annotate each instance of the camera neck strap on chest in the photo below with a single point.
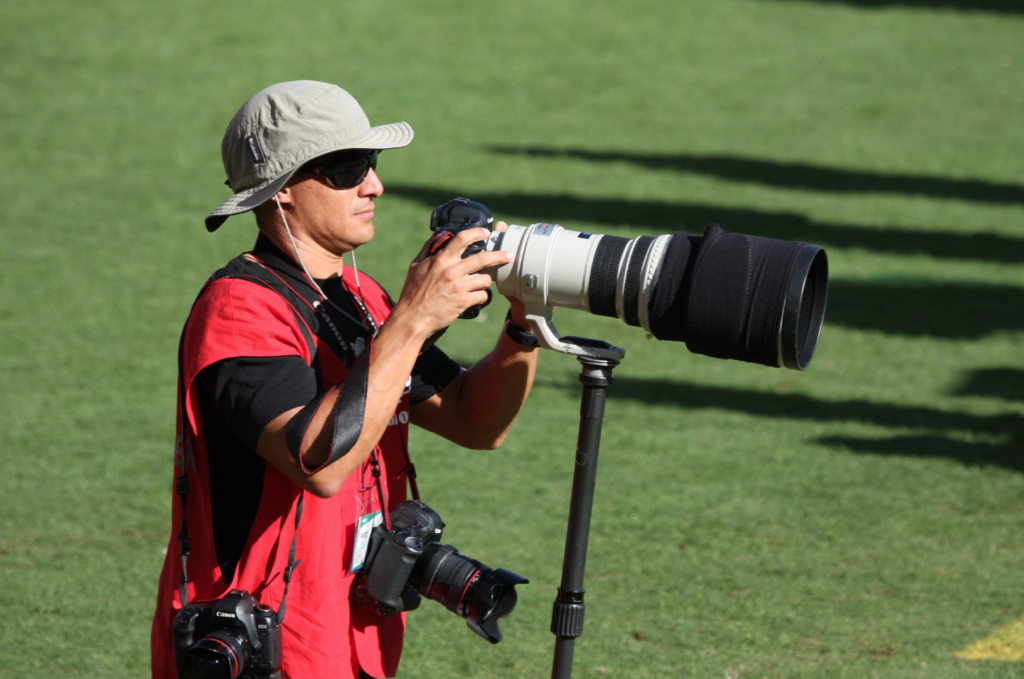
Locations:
(375, 470)
(346, 415)
(268, 266)
(300, 290)
(184, 441)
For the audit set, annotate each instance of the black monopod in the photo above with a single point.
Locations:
(598, 360)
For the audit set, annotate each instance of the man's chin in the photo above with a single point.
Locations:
(364, 236)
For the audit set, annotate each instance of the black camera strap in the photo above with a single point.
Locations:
(184, 442)
(375, 470)
(284, 277)
(292, 563)
(294, 285)
(182, 489)
(410, 474)
(410, 468)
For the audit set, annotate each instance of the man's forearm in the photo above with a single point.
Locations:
(391, 362)
(478, 408)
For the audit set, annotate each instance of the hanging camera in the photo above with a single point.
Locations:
(235, 637)
(407, 562)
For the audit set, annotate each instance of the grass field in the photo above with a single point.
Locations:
(861, 519)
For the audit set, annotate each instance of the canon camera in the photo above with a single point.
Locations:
(235, 637)
(408, 561)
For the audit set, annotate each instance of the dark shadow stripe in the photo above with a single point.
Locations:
(992, 6)
(657, 217)
(796, 175)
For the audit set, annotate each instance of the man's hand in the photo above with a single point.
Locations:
(440, 287)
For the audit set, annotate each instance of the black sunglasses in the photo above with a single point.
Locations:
(345, 172)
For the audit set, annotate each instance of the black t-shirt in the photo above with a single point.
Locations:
(238, 397)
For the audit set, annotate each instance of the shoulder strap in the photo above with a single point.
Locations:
(244, 267)
(182, 486)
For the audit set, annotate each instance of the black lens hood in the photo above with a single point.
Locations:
(748, 298)
(805, 308)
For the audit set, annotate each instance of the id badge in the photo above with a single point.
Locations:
(364, 529)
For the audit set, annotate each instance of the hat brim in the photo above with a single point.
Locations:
(382, 137)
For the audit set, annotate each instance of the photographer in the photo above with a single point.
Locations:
(298, 376)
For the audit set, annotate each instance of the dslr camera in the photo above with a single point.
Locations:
(452, 218)
(235, 637)
(408, 562)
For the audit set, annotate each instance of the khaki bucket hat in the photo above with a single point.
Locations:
(285, 126)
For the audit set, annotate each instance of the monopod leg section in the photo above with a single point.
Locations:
(567, 615)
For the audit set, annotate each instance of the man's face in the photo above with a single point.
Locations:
(337, 220)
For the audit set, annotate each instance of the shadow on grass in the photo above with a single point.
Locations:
(1002, 383)
(973, 454)
(1007, 428)
(799, 175)
(995, 6)
(899, 307)
(944, 310)
(652, 218)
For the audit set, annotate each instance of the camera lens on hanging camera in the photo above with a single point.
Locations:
(226, 638)
(408, 561)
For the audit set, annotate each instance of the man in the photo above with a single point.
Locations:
(297, 379)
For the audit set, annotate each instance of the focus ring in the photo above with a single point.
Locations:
(631, 286)
(603, 274)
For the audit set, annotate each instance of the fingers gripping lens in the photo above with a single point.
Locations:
(347, 171)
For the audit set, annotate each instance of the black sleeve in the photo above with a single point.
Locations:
(433, 371)
(248, 393)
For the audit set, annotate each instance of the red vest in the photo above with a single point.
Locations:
(323, 635)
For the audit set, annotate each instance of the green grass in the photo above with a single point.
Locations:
(861, 519)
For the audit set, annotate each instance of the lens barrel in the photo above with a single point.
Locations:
(730, 295)
(726, 295)
(467, 588)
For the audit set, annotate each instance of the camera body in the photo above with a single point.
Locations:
(408, 562)
(235, 636)
(383, 584)
(456, 216)
(452, 218)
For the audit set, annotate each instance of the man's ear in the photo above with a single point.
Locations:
(266, 212)
(285, 196)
